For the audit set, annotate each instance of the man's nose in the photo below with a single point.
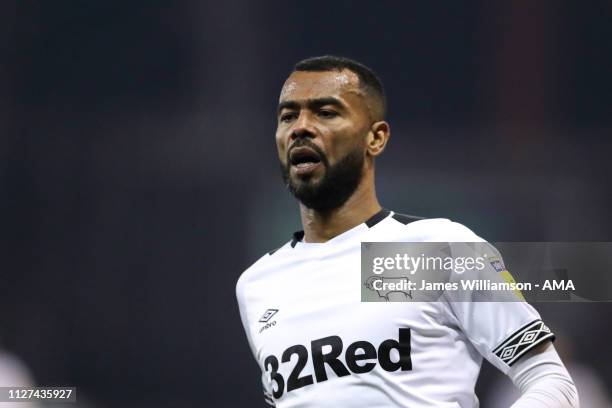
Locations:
(303, 126)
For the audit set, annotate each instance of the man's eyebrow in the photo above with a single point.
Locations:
(287, 105)
(311, 103)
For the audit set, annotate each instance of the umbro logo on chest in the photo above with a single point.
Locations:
(266, 317)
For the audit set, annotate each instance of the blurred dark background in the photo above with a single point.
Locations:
(138, 173)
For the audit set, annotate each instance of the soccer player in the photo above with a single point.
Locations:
(316, 343)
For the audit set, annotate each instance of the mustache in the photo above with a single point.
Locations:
(306, 143)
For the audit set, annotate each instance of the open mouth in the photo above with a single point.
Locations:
(304, 157)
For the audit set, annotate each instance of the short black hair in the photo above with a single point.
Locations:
(368, 80)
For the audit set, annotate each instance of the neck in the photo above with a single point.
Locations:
(323, 226)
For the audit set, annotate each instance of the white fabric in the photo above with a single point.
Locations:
(543, 381)
(315, 290)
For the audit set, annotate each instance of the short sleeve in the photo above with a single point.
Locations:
(242, 308)
(504, 327)
(501, 331)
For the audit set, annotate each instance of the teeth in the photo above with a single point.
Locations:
(305, 164)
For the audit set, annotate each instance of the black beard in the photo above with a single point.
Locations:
(338, 183)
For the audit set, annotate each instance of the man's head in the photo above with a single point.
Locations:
(330, 127)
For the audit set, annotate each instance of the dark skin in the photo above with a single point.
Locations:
(335, 113)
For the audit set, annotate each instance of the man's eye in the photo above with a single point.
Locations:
(286, 117)
(328, 114)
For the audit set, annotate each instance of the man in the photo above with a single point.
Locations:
(316, 343)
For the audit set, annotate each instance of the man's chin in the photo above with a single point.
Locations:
(316, 194)
(310, 179)
(308, 185)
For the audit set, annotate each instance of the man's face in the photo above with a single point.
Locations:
(323, 120)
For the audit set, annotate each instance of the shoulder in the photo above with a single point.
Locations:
(264, 263)
(434, 229)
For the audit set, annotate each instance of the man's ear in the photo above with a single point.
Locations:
(377, 138)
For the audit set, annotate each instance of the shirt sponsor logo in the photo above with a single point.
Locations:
(360, 357)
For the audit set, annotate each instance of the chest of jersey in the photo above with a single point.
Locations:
(311, 331)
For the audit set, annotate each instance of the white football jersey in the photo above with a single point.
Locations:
(318, 345)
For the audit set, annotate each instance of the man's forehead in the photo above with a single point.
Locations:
(307, 84)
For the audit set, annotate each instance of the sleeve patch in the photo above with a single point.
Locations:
(523, 340)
